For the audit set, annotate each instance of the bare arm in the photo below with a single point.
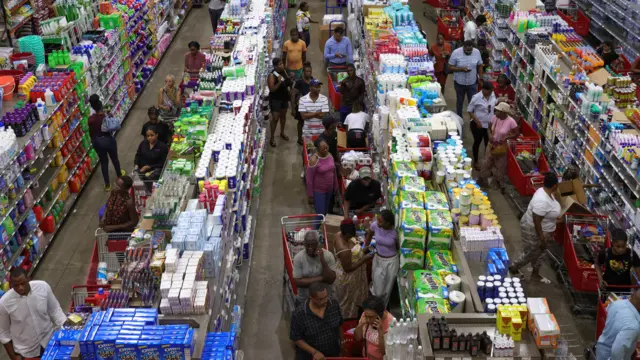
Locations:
(348, 265)
(598, 266)
(306, 282)
(160, 100)
(284, 57)
(306, 347)
(294, 105)
(328, 275)
(304, 57)
(359, 332)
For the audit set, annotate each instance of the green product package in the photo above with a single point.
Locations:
(435, 200)
(440, 229)
(429, 284)
(410, 200)
(412, 229)
(411, 259)
(404, 168)
(441, 261)
(412, 183)
(432, 306)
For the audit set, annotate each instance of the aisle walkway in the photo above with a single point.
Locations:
(67, 260)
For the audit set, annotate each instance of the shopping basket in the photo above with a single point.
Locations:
(111, 248)
(520, 180)
(450, 24)
(601, 314)
(583, 277)
(85, 295)
(335, 97)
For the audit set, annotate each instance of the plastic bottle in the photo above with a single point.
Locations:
(49, 97)
(410, 353)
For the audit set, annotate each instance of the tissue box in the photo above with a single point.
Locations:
(545, 330)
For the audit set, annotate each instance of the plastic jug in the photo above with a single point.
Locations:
(100, 296)
(49, 97)
(38, 211)
(48, 225)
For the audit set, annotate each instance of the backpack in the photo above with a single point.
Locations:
(110, 124)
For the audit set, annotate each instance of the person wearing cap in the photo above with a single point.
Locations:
(501, 129)
(330, 136)
(362, 194)
(353, 89)
(313, 106)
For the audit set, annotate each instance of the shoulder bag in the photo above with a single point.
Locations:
(498, 149)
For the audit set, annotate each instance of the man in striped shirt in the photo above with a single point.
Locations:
(313, 107)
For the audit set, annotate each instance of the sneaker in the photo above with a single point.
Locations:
(107, 188)
(302, 174)
(123, 173)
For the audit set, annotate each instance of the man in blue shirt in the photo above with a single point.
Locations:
(467, 67)
(621, 331)
(338, 50)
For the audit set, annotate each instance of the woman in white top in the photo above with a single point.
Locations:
(356, 123)
(537, 226)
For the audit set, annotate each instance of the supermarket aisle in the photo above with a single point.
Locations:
(67, 260)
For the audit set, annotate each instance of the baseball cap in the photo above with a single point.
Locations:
(315, 82)
(328, 120)
(365, 172)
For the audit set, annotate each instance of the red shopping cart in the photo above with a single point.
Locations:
(450, 24)
(111, 248)
(621, 292)
(335, 97)
(522, 151)
(85, 295)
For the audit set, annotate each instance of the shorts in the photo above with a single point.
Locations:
(278, 105)
(297, 74)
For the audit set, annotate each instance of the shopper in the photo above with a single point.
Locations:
(362, 194)
(537, 226)
(621, 330)
(151, 156)
(216, 8)
(441, 50)
(485, 55)
(313, 106)
(607, 53)
(502, 129)
(471, 28)
(315, 325)
(164, 133)
(466, 65)
(279, 98)
(504, 91)
(618, 261)
(303, 19)
(322, 183)
(169, 98)
(301, 88)
(338, 49)
(330, 136)
(373, 327)
(194, 60)
(356, 123)
(314, 264)
(480, 108)
(29, 314)
(387, 260)
(120, 213)
(103, 142)
(353, 90)
(351, 276)
(294, 55)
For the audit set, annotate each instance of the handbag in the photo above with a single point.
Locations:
(110, 123)
(498, 149)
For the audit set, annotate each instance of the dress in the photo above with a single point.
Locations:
(351, 288)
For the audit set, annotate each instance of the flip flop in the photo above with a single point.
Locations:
(284, 136)
(272, 143)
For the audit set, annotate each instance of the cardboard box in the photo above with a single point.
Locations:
(572, 197)
(332, 224)
(536, 306)
(546, 331)
(342, 137)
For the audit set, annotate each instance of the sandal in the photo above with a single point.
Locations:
(284, 136)
(300, 142)
(272, 143)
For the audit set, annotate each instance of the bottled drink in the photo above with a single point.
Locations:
(410, 354)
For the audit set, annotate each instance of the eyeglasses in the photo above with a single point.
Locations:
(489, 108)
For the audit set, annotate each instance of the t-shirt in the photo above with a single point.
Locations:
(386, 240)
(302, 87)
(358, 195)
(617, 268)
(470, 30)
(294, 52)
(543, 204)
(95, 125)
(356, 120)
(194, 63)
(371, 336)
(305, 266)
(501, 128)
(302, 20)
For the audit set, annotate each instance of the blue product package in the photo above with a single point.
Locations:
(115, 318)
(173, 351)
(491, 270)
(119, 311)
(127, 349)
(107, 315)
(105, 347)
(150, 351)
(135, 323)
(147, 320)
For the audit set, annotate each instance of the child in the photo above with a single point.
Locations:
(618, 260)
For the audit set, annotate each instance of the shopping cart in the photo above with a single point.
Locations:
(111, 248)
(526, 130)
(294, 229)
(522, 149)
(431, 12)
(603, 302)
(85, 295)
(335, 97)
(580, 244)
(450, 24)
(140, 191)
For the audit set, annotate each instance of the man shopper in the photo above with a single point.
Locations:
(294, 55)
(353, 90)
(312, 265)
(338, 49)
(315, 325)
(301, 88)
(29, 313)
(362, 194)
(313, 106)
(467, 67)
(471, 27)
(621, 331)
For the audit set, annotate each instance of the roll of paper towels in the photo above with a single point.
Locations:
(453, 282)
(456, 299)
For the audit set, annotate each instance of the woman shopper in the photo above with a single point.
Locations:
(503, 90)
(441, 50)
(351, 277)
(169, 98)
(321, 178)
(120, 213)
(303, 19)
(373, 327)
(194, 60)
(387, 261)
(480, 111)
(501, 129)
(537, 227)
(279, 98)
(103, 142)
(151, 156)
(164, 133)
